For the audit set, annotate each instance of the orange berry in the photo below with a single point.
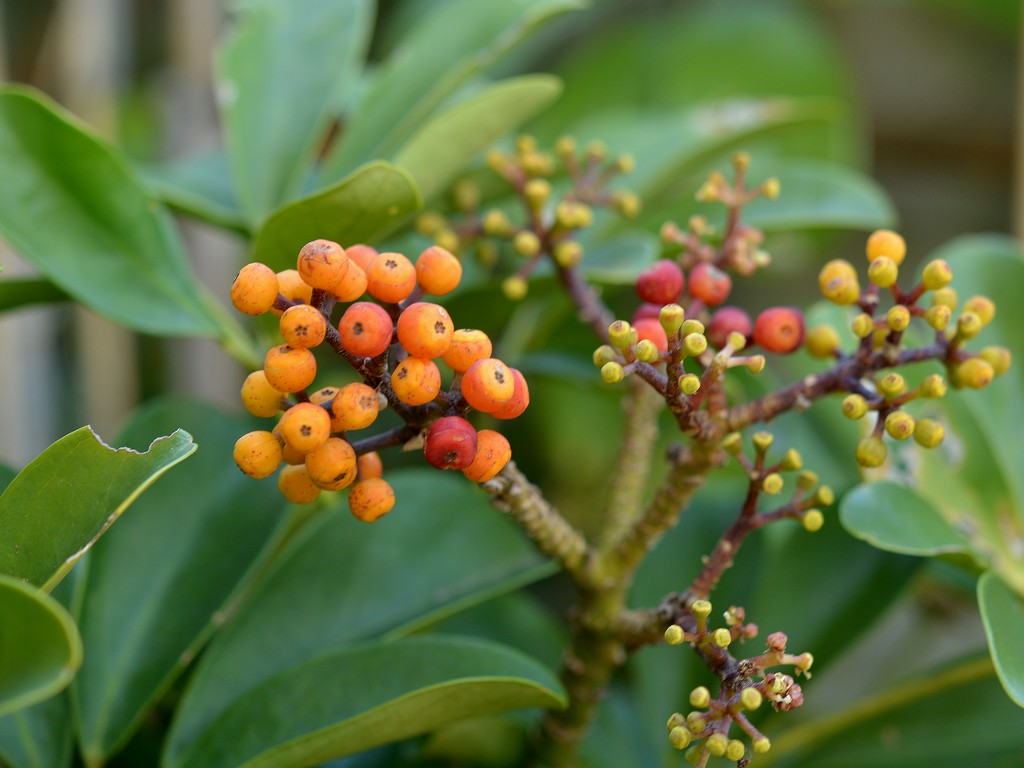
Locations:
(365, 329)
(288, 369)
(450, 443)
(370, 465)
(302, 326)
(361, 254)
(254, 289)
(322, 264)
(305, 427)
(353, 285)
(425, 329)
(323, 396)
(487, 384)
(290, 455)
(467, 347)
(296, 485)
(258, 454)
(390, 277)
(332, 466)
(520, 399)
(259, 397)
(492, 454)
(884, 242)
(779, 329)
(652, 330)
(371, 499)
(354, 407)
(709, 284)
(438, 271)
(291, 285)
(416, 381)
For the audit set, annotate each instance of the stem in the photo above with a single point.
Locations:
(592, 310)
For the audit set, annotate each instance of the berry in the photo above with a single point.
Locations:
(649, 311)
(353, 285)
(983, 307)
(679, 737)
(937, 274)
(365, 329)
(492, 454)
(259, 397)
(652, 330)
(332, 466)
(258, 454)
(899, 425)
(884, 242)
(438, 271)
(425, 330)
(975, 372)
(354, 407)
(296, 485)
(288, 369)
(322, 264)
(487, 384)
(416, 381)
(371, 499)
(661, 283)
(883, 272)
(822, 341)
(671, 317)
(515, 405)
(361, 255)
(779, 329)
(928, 433)
(291, 285)
(370, 465)
(725, 321)
(838, 282)
(305, 427)
(467, 347)
(390, 277)
(709, 284)
(871, 452)
(303, 327)
(450, 443)
(254, 289)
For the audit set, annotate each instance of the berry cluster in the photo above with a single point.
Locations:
(393, 341)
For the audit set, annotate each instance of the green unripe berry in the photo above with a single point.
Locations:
(772, 483)
(974, 372)
(679, 737)
(791, 460)
(751, 698)
(883, 272)
(933, 386)
(968, 325)
(620, 334)
(567, 253)
(824, 496)
(721, 637)
(928, 433)
(671, 317)
(526, 243)
(763, 441)
(674, 635)
(998, 357)
(689, 383)
(733, 442)
(806, 480)
(603, 354)
(696, 722)
(735, 750)
(822, 341)
(898, 317)
(871, 452)
(812, 520)
(938, 317)
(694, 344)
(983, 307)
(899, 425)
(514, 287)
(700, 697)
(675, 720)
(945, 297)
(716, 744)
(854, 407)
(892, 384)
(612, 373)
(862, 326)
(647, 351)
(701, 609)
(760, 745)
(937, 274)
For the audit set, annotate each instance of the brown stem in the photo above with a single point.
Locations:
(592, 310)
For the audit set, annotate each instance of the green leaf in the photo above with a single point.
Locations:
(25, 291)
(339, 581)
(75, 209)
(282, 72)
(359, 209)
(38, 736)
(160, 580)
(40, 648)
(420, 76)
(69, 495)
(199, 185)
(436, 153)
(818, 195)
(898, 519)
(350, 699)
(1002, 610)
(6, 475)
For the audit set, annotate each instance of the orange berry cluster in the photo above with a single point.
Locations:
(392, 339)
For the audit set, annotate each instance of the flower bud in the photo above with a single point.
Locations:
(937, 274)
(928, 433)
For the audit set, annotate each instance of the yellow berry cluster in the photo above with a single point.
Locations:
(393, 340)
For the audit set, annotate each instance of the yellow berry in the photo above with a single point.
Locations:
(938, 316)
(885, 242)
(751, 698)
(296, 486)
(812, 520)
(258, 454)
(871, 452)
(837, 281)
(928, 433)
(883, 272)
(674, 635)
(983, 307)
(898, 317)
(974, 372)
(822, 341)
(679, 737)
(937, 274)
(716, 744)
(371, 499)
(255, 288)
(288, 369)
(899, 425)
(259, 397)
(332, 466)
(998, 357)
(700, 697)
(761, 744)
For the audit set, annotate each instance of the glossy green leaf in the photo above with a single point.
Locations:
(69, 495)
(38, 736)
(442, 52)
(437, 153)
(350, 699)
(339, 581)
(187, 545)
(898, 519)
(6, 475)
(359, 209)
(282, 72)
(22, 292)
(819, 196)
(1002, 610)
(199, 185)
(40, 648)
(76, 210)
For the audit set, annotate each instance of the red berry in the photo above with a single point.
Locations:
(725, 321)
(647, 328)
(450, 443)
(709, 284)
(779, 329)
(661, 283)
(648, 311)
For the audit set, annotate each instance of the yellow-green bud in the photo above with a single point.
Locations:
(596, 150)
(674, 635)
(899, 425)
(627, 203)
(671, 317)
(696, 722)
(486, 253)
(806, 480)
(968, 325)
(772, 483)
(933, 386)
(603, 354)
(565, 145)
(700, 697)
(854, 407)
(945, 297)
(937, 274)
(974, 372)
(675, 720)
(812, 520)
(928, 433)
(496, 224)
(537, 164)
(938, 317)
(751, 698)
(679, 737)
(760, 745)
(791, 460)
(525, 143)
(447, 240)
(741, 161)
(514, 287)
(526, 243)
(537, 192)
(701, 609)
(620, 334)
(982, 306)
(691, 326)
(763, 441)
(998, 357)
(428, 223)
(862, 326)
(689, 383)
(771, 188)
(567, 253)
(721, 637)
(755, 363)
(647, 351)
(716, 744)
(736, 340)
(837, 281)
(694, 344)
(898, 317)
(497, 161)
(822, 341)
(625, 163)
(883, 272)
(735, 750)
(733, 442)
(466, 195)
(612, 373)
(804, 661)
(892, 384)
(871, 452)
(824, 496)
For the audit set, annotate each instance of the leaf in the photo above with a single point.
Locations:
(74, 208)
(436, 153)
(160, 580)
(420, 75)
(898, 519)
(40, 648)
(38, 736)
(281, 74)
(199, 185)
(359, 209)
(69, 495)
(22, 292)
(350, 699)
(339, 582)
(1002, 611)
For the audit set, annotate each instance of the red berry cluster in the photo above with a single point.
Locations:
(392, 340)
